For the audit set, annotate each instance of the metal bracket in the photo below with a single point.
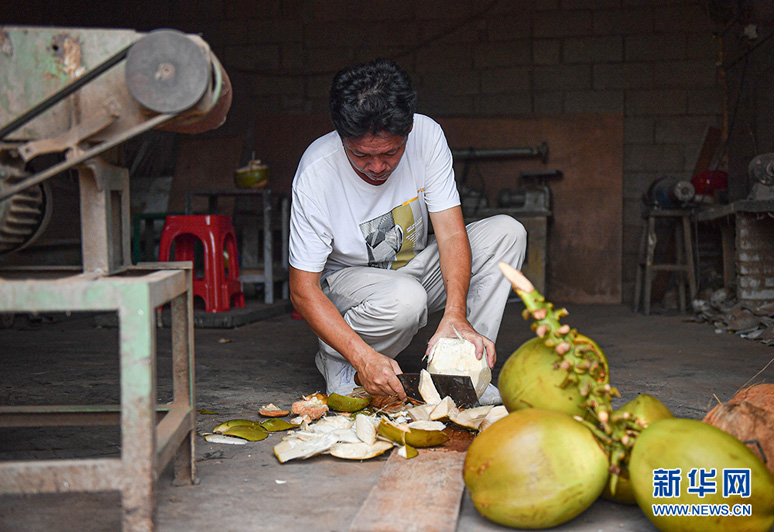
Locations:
(69, 140)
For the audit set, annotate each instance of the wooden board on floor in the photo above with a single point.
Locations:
(423, 494)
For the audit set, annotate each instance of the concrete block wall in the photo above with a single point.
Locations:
(654, 61)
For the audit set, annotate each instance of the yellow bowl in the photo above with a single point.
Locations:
(254, 175)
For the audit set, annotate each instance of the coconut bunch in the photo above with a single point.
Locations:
(584, 365)
(557, 390)
(585, 369)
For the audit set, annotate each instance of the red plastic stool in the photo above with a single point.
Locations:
(216, 233)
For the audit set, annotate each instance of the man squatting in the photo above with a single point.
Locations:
(365, 274)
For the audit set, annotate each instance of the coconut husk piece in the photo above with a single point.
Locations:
(749, 417)
(761, 395)
(391, 404)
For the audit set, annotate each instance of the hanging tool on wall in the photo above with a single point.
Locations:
(473, 198)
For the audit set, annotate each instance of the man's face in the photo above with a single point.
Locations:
(375, 157)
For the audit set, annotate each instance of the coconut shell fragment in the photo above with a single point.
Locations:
(365, 428)
(407, 452)
(494, 415)
(427, 389)
(302, 449)
(404, 435)
(272, 410)
(248, 432)
(276, 425)
(345, 403)
(226, 425)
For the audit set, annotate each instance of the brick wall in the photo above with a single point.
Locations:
(651, 60)
(755, 259)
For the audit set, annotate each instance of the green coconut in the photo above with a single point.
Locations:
(534, 468)
(532, 378)
(644, 409)
(687, 444)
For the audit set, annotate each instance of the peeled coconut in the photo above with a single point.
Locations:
(457, 356)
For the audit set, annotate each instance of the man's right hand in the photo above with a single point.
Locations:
(377, 372)
(378, 376)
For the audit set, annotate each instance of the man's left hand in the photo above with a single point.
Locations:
(482, 343)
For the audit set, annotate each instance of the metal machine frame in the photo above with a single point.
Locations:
(170, 79)
(150, 435)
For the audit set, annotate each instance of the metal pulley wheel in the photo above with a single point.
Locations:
(23, 216)
(167, 72)
(761, 169)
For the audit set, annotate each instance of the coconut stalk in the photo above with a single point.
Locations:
(584, 369)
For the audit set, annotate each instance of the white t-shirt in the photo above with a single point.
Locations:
(339, 220)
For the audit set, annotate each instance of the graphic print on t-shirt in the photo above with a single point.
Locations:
(391, 238)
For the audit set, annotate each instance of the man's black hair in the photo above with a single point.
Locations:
(371, 98)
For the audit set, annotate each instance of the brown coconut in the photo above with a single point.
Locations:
(761, 395)
(749, 417)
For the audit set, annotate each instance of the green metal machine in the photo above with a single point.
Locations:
(76, 94)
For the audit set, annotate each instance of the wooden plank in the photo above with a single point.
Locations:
(423, 494)
(585, 236)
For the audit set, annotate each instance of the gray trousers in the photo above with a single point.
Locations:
(387, 307)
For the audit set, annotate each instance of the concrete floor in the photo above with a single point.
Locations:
(244, 488)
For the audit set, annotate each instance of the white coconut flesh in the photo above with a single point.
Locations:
(427, 425)
(365, 429)
(443, 410)
(470, 418)
(421, 412)
(220, 438)
(292, 449)
(359, 451)
(494, 415)
(457, 356)
(427, 389)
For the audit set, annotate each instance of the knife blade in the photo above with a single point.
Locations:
(458, 387)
